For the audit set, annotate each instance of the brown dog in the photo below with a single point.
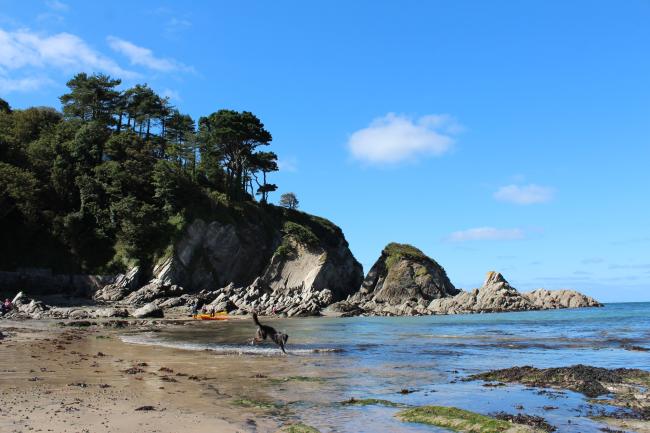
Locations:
(264, 331)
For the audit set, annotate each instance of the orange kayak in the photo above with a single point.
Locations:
(218, 316)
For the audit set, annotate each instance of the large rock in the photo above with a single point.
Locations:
(149, 310)
(496, 295)
(404, 273)
(152, 291)
(122, 285)
(401, 282)
(552, 299)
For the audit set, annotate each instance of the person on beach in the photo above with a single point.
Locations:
(7, 306)
(195, 308)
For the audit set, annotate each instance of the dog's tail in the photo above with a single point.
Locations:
(257, 322)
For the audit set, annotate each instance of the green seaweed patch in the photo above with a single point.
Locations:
(278, 380)
(299, 428)
(460, 420)
(371, 402)
(640, 378)
(257, 404)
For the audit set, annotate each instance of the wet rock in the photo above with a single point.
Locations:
(590, 381)
(148, 311)
(534, 421)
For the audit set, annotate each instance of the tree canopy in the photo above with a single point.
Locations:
(289, 200)
(107, 181)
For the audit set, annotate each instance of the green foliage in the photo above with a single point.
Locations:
(289, 200)
(18, 190)
(395, 252)
(300, 233)
(91, 97)
(231, 138)
(113, 180)
(4, 106)
(285, 249)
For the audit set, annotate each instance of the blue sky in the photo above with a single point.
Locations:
(509, 136)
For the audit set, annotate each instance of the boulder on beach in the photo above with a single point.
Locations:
(149, 310)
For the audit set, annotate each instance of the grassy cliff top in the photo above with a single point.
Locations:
(395, 252)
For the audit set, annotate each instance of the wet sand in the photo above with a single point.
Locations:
(63, 379)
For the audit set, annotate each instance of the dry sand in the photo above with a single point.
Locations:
(66, 379)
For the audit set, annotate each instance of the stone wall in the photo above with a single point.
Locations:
(44, 282)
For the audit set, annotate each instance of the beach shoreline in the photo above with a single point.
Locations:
(66, 379)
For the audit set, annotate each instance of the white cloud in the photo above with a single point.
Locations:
(57, 5)
(288, 164)
(27, 84)
(26, 49)
(173, 95)
(176, 25)
(394, 138)
(144, 56)
(486, 234)
(524, 194)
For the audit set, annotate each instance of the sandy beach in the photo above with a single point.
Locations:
(340, 374)
(69, 379)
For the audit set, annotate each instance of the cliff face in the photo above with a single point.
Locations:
(213, 254)
(290, 252)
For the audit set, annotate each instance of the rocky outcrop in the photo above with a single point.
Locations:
(403, 281)
(121, 285)
(551, 299)
(403, 273)
(495, 295)
(152, 291)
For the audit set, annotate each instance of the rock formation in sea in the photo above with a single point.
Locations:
(409, 283)
(497, 295)
(403, 281)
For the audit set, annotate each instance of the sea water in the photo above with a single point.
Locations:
(377, 357)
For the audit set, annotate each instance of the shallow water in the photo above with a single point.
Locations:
(377, 357)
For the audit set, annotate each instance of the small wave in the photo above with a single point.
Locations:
(226, 349)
